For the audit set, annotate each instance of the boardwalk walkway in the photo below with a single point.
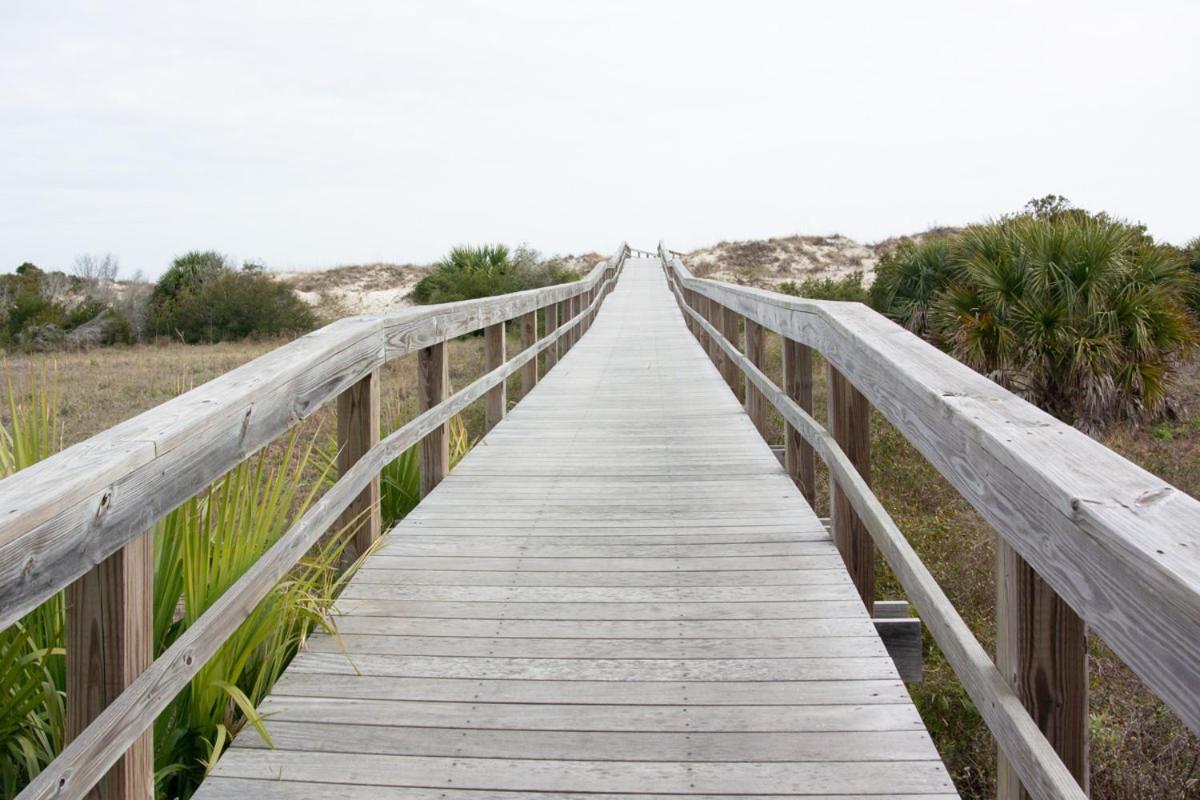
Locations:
(617, 593)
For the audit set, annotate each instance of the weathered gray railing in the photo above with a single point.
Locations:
(78, 520)
(1084, 536)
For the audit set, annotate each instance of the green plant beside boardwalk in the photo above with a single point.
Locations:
(471, 272)
(201, 548)
(1080, 314)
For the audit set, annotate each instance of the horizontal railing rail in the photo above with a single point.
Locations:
(1119, 544)
(62, 516)
(230, 416)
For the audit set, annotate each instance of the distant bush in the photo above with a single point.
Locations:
(1079, 313)
(848, 288)
(202, 298)
(908, 279)
(471, 272)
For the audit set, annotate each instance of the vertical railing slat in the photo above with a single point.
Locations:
(494, 356)
(756, 351)
(109, 642)
(529, 372)
(798, 383)
(433, 386)
(850, 424)
(358, 432)
(1041, 649)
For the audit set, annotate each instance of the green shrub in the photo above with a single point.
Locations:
(1080, 314)
(202, 299)
(471, 272)
(201, 549)
(847, 288)
(908, 279)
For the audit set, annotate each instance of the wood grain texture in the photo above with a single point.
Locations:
(1117, 543)
(109, 642)
(494, 356)
(1026, 747)
(730, 326)
(756, 352)
(65, 514)
(433, 387)
(799, 457)
(529, 336)
(1041, 648)
(552, 322)
(850, 424)
(85, 760)
(358, 432)
(618, 590)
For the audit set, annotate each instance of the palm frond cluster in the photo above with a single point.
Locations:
(1078, 313)
(471, 272)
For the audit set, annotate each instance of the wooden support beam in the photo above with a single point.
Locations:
(1041, 649)
(799, 457)
(529, 372)
(109, 642)
(551, 324)
(756, 351)
(712, 313)
(358, 432)
(731, 330)
(850, 424)
(564, 314)
(433, 386)
(494, 356)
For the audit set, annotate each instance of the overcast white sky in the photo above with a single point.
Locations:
(311, 134)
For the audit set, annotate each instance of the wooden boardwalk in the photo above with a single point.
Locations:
(617, 593)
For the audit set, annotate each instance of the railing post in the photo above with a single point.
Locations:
(850, 424)
(696, 301)
(564, 314)
(551, 325)
(798, 383)
(109, 642)
(756, 351)
(358, 432)
(1041, 649)
(529, 372)
(433, 386)
(576, 308)
(730, 330)
(494, 355)
(712, 313)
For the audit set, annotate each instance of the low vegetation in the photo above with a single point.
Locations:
(200, 548)
(471, 272)
(202, 298)
(848, 288)
(1082, 315)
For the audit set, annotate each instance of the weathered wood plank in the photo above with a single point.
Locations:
(1023, 743)
(850, 424)
(1116, 542)
(433, 387)
(797, 778)
(529, 336)
(799, 457)
(1042, 650)
(109, 642)
(358, 431)
(494, 355)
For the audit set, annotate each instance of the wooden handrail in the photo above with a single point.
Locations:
(86, 759)
(1032, 756)
(1121, 545)
(62, 516)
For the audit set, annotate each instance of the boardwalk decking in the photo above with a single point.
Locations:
(617, 593)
